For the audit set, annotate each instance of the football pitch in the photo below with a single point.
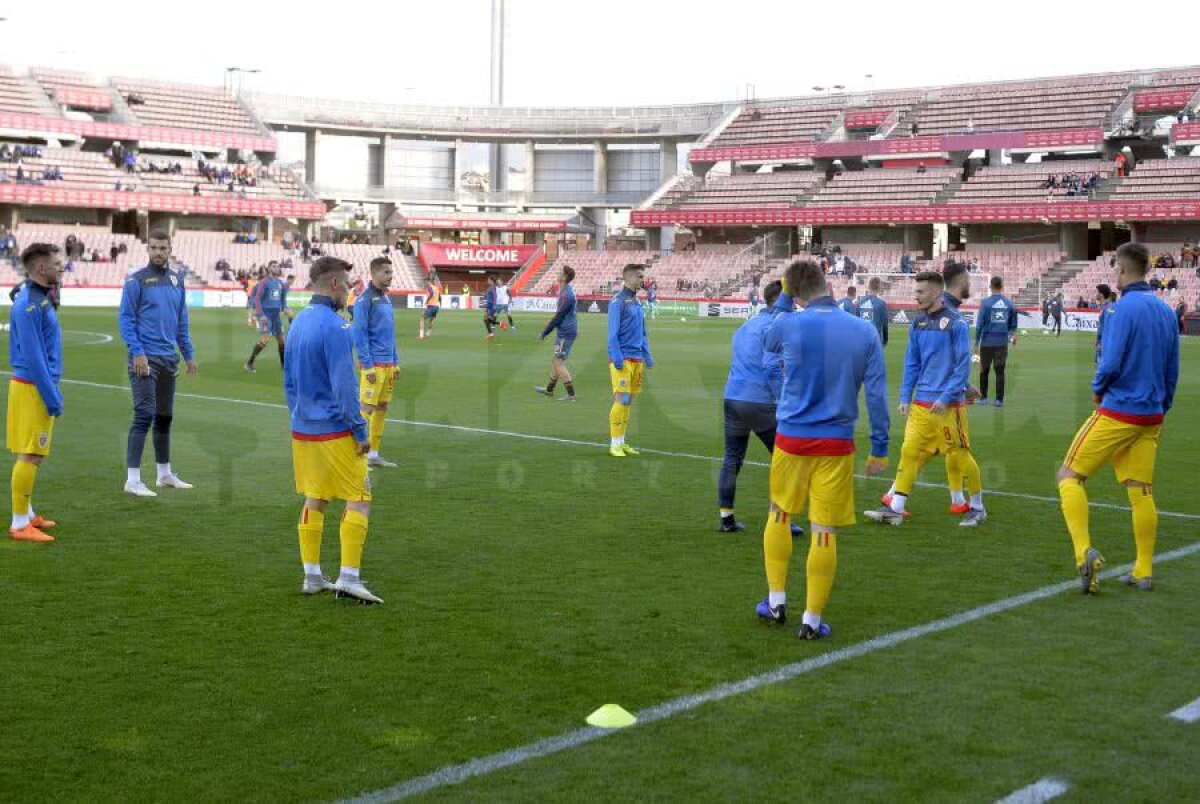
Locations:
(160, 649)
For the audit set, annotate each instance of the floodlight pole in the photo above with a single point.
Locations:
(496, 170)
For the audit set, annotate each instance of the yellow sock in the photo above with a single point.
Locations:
(954, 470)
(1145, 528)
(625, 411)
(375, 428)
(1075, 512)
(912, 461)
(23, 475)
(777, 550)
(353, 534)
(618, 418)
(968, 466)
(822, 566)
(312, 525)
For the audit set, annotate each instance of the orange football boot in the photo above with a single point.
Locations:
(29, 534)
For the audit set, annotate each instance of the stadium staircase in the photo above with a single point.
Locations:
(808, 194)
(948, 192)
(530, 272)
(413, 276)
(47, 107)
(1051, 282)
(835, 131)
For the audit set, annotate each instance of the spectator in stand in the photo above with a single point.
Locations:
(1187, 257)
(97, 256)
(1120, 162)
(130, 161)
(113, 252)
(1082, 304)
(195, 189)
(905, 264)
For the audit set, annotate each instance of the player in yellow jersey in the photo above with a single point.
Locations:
(1133, 389)
(34, 400)
(433, 303)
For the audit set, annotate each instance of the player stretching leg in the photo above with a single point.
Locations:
(34, 399)
(751, 397)
(828, 356)
(628, 355)
(936, 369)
(154, 323)
(568, 328)
(374, 331)
(433, 303)
(329, 434)
(270, 299)
(1133, 390)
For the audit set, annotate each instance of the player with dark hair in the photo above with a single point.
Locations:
(490, 321)
(374, 328)
(933, 395)
(751, 398)
(628, 355)
(504, 304)
(433, 304)
(828, 357)
(995, 329)
(568, 329)
(1105, 299)
(1056, 313)
(154, 324)
(874, 309)
(849, 302)
(329, 435)
(34, 398)
(1133, 389)
(270, 299)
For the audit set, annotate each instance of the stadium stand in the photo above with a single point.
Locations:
(94, 238)
(1161, 178)
(881, 187)
(16, 95)
(1025, 182)
(778, 189)
(768, 125)
(185, 106)
(1100, 271)
(593, 269)
(73, 89)
(1072, 102)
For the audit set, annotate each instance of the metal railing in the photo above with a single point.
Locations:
(499, 198)
(1124, 110)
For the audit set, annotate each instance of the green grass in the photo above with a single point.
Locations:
(160, 649)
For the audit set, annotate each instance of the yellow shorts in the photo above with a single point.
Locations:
(937, 432)
(30, 427)
(380, 391)
(627, 380)
(824, 482)
(331, 468)
(1130, 448)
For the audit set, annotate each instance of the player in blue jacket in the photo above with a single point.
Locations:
(933, 394)
(34, 398)
(565, 323)
(828, 357)
(154, 324)
(1105, 299)
(628, 355)
(995, 329)
(751, 396)
(849, 303)
(490, 319)
(374, 328)
(1133, 389)
(269, 298)
(329, 435)
(874, 309)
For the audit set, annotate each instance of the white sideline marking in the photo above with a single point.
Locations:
(1187, 714)
(600, 445)
(1036, 793)
(455, 774)
(101, 337)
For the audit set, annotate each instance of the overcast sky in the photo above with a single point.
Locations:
(570, 52)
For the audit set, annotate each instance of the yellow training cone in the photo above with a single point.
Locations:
(611, 716)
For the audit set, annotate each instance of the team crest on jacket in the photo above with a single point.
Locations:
(43, 440)
(945, 322)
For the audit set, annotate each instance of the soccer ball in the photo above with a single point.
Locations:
(974, 358)
(683, 320)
